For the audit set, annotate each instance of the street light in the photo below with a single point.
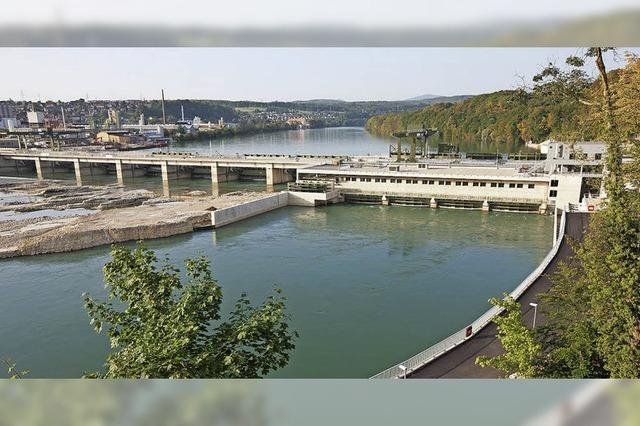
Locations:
(535, 312)
(404, 371)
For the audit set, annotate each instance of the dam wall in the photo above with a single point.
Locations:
(249, 209)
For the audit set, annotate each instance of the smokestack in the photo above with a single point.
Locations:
(164, 117)
(64, 122)
(182, 108)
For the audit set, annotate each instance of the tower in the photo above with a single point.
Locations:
(164, 117)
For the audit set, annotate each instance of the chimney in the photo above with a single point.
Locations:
(164, 117)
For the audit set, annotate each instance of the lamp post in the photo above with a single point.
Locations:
(404, 371)
(535, 312)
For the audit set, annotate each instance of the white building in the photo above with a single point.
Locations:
(583, 150)
(35, 118)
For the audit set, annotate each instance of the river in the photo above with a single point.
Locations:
(367, 286)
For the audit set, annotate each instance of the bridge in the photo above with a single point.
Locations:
(277, 168)
(455, 356)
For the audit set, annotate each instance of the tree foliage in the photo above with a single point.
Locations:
(593, 307)
(161, 327)
(562, 104)
(520, 348)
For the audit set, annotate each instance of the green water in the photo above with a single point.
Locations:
(367, 286)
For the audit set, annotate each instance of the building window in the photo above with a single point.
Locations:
(598, 156)
(421, 166)
(554, 182)
(500, 185)
(458, 183)
(431, 182)
(493, 184)
(553, 193)
(465, 183)
(476, 183)
(383, 180)
(392, 181)
(424, 182)
(519, 185)
(531, 186)
(448, 182)
(415, 181)
(483, 183)
(440, 182)
(512, 185)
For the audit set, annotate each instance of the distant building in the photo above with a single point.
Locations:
(298, 121)
(9, 123)
(583, 150)
(114, 119)
(118, 137)
(35, 119)
(6, 110)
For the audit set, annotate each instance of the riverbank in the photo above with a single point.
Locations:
(52, 217)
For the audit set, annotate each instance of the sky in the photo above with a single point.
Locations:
(273, 13)
(268, 74)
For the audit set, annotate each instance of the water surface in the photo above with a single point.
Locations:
(367, 286)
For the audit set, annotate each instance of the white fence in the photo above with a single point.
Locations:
(417, 361)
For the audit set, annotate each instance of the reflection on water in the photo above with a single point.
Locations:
(367, 286)
(328, 141)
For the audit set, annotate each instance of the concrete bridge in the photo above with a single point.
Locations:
(277, 168)
(455, 356)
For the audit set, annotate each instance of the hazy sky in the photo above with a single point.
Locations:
(270, 13)
(268, 74)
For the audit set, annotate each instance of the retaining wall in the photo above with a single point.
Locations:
(233, 214)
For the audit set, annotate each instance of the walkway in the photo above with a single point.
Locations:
(460, 361)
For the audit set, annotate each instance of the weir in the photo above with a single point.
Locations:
(274, 170)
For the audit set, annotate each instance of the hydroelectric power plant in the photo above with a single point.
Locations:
(422, 269)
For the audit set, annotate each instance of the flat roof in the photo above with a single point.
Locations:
(464, 172)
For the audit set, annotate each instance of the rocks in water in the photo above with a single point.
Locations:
(196, 193)
(61, 197)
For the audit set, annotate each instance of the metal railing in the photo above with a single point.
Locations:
(417, 361)
(311, 186)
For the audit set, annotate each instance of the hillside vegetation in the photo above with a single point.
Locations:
(509, 118)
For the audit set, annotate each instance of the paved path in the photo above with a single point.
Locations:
(460, 362)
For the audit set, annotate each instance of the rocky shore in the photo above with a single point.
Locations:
(71, 218)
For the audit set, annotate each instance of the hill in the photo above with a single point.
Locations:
(504, 118)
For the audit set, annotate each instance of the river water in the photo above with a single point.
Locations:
(367, 286)
(327, 141)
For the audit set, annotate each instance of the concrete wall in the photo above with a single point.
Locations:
(233, 214)
(311, 199)
(568, 189)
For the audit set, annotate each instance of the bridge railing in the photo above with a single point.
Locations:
(423, 358)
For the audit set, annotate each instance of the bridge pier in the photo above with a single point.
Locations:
(164, 168)
(39, 169)
(276, 176)
(78, 172)
(119, 174)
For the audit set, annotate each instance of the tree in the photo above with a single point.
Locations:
(160, 327)
(593, 307)
(520, 348)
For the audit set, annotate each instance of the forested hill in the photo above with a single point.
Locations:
(508, 118)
